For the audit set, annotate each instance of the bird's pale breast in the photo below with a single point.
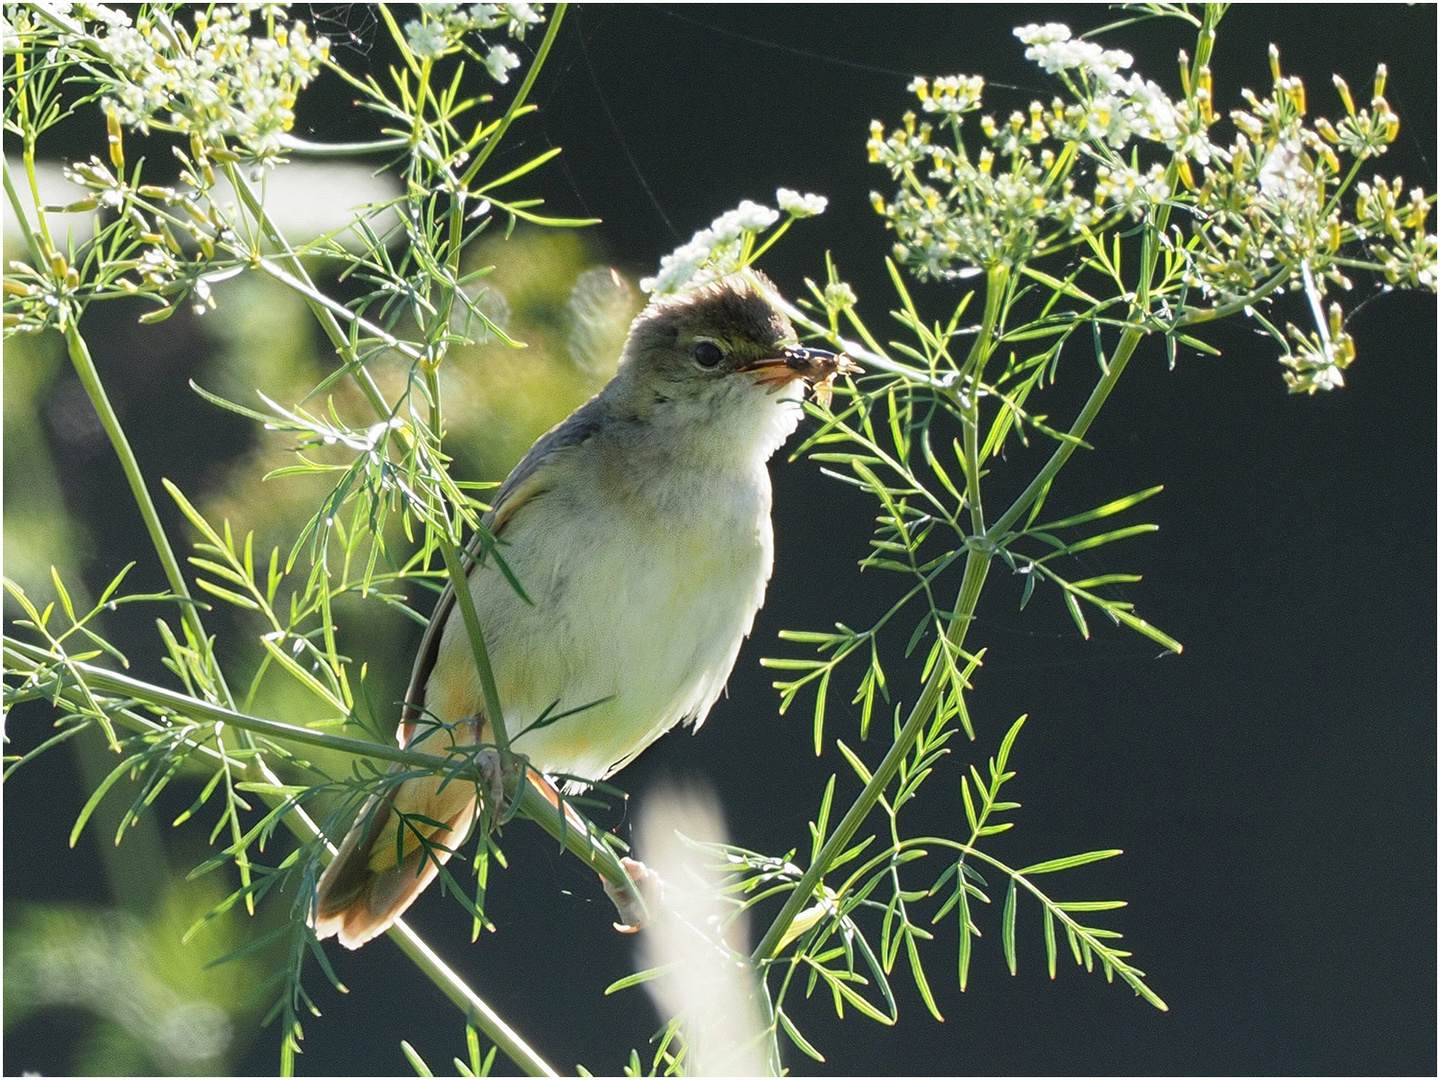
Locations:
(640, 606)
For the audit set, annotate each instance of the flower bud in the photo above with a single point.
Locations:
(1392, 126)
(1182, 164)
(114, 134)
(1344, 88)
(1296, 90)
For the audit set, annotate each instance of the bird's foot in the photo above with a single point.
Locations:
(493, 781)
(634, 912)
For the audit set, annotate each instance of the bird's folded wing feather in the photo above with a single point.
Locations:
(527, 479)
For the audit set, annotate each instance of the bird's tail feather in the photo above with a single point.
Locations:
(391, 854)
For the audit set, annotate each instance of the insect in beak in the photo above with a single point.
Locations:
(817, 367)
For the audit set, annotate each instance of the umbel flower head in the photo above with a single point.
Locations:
(1269, 212)
(217, 81)
(729, 244)
(447, 28)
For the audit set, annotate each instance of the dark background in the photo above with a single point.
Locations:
(1273, 787)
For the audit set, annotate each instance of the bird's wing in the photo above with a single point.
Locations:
(527, 479)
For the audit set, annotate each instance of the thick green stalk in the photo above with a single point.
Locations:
(1123, 351)
(477, 1011)
(206, 712)
(977, 564)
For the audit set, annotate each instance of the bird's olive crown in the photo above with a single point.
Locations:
(718, 327)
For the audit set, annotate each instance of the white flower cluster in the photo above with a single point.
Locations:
(1118, 108)
(1264, 214)
(442, 26)
(983, 210)
(1397, 232)
(952, 94)
(997, 205)
(798, 205)
(1319, 358)
(1130, 191)
(218, 82)
(725, 246)
(1052, 48)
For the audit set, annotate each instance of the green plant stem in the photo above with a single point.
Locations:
(1116, 367)
(977, 564)
(476, 1010)
(84, 366)
(21, 656)
(556, 18)
(1221, 311)
(996, 285)
(460, 582)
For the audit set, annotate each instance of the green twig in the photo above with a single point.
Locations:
(476, 1010)
(25, 658)
(520, 95)
(460, 582)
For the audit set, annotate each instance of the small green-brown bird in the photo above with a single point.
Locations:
(639, 528)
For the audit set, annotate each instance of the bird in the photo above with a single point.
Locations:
(639, 529)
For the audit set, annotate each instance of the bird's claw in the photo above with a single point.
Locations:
(494, 779)
(634, 915)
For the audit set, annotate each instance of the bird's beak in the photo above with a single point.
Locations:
(816, 366)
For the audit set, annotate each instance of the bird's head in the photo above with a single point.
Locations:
(720, 353)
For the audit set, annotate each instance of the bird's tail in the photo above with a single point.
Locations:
(392, 852)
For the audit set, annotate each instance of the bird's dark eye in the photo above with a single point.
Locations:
(707, 354)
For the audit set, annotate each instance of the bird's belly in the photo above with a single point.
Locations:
(635, 626)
